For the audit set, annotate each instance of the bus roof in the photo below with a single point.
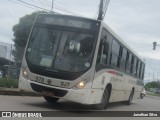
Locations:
(81, 17)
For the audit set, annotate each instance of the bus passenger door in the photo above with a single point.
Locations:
(102, 58)
(116, 61)
(100, 77)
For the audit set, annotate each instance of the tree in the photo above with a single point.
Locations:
(153, 84)
(21, 32)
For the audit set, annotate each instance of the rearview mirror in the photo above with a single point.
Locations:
(74, 46)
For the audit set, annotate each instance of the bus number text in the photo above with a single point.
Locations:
(39, 79)
(65, 84)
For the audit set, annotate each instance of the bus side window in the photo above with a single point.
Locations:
(115, 53)
(142, 70)
(103, 51)
(123, 59)
(129, 59)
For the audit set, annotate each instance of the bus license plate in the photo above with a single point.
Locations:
(46, 93)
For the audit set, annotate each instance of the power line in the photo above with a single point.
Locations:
(22, 4)
(33, 5)
(47, 3)
(84, 10)
(33, 2)
(62, 3)
(58, 7)
(40, 2)
(67, 11)
(9, 14)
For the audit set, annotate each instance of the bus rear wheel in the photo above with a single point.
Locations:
(51, 99)
(104, 101)
(129, 101)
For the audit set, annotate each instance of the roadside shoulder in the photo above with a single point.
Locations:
(16, 91)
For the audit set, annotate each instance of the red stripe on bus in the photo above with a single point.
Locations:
(115, 73)
(112, 72)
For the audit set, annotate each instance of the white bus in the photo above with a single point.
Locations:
(80, 60)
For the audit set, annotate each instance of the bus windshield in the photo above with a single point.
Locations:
(57, 49)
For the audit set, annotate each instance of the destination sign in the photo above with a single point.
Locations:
(67, 21)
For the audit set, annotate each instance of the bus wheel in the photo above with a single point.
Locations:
(130, 98)
(104, 101)
(51, 99)
(141, 96)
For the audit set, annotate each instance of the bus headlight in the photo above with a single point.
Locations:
(80, 85)
(24, 73)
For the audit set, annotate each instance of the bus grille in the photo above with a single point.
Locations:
(40, 89)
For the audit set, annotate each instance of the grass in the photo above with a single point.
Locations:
(8, 82)
(153, 94)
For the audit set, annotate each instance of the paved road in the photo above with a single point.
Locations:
(24, 103)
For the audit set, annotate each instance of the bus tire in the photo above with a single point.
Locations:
(51, 99)
(141, 96)
(104, 101)
(129, 101)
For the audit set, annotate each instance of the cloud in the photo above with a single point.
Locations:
(137, 23)
(155, 55)
(10, 14)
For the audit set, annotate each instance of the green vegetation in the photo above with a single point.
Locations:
(8, 82)
(21, 32)
(153, 84)
(154, 94)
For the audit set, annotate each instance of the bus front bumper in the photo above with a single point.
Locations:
(83, 96)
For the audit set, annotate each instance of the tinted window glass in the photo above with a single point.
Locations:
(114, 60)
(124, 53)
(103, 49)
(115, 47)
(60, 50)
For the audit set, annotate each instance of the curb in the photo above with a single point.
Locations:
(17, 92)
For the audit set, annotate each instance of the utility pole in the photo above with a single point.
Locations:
(52, 6)
(153, 75)
(102, 9)
(149, 71)
(100, 15)
(155, 45)
(9, 63)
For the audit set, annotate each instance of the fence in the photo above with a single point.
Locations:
(9, 67)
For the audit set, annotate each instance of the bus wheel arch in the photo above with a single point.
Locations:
(51, 99)
(105, 97)
(133, 90)
(129, 101)
(109, 89)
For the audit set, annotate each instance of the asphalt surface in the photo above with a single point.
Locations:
(25, 103)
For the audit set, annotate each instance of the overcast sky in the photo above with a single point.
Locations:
(137, 22)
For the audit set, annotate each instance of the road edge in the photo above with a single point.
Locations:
(16, 92)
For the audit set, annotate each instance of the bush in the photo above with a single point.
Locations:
(152, 84)
(8, 82)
